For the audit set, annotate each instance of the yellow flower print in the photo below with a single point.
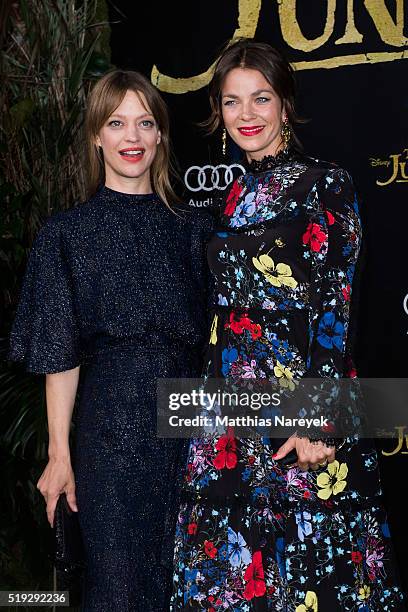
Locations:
(213, 335)
(364, 592)
(332, 481)
(310, 604)
(277, 276)
(285, 376)
(279, 243)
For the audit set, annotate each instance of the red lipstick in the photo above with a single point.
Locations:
(251, 130)
(132, 154)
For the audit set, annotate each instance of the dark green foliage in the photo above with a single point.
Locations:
(50, 50)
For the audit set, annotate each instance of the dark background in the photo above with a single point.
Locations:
(355, 113)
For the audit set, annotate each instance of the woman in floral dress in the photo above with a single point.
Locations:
(252, 534)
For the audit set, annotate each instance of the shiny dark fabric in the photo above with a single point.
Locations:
(117, 286)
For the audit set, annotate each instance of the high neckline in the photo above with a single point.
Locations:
(269, 162)
(111, 195)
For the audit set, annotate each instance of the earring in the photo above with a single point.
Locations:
(224, 142)
(286, 134)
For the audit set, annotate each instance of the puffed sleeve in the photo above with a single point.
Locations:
(203, 229)
(334, 237)
(45, 335)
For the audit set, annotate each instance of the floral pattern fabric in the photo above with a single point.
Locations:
(252, 535)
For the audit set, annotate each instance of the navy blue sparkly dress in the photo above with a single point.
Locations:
(117, 285)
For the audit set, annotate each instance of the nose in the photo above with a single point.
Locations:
(132, 133)
(247, 111)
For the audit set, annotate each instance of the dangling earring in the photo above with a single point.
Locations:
(224, 142)
(286, 134)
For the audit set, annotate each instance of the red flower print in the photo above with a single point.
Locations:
(329, 428)
(346, 292)
(315, 236)
(227, 452)
(254, 576)
(251, 459)
(192, 528)
(210, 598)
(356, 557)
(218, 602)
(307, 494)
(210, 549)
(238, 324)
(232, 198)
(256, 331)
(351, 371)
(330, 218)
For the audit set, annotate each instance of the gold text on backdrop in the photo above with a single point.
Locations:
(398, 164)
(390, 30)
(400, 443)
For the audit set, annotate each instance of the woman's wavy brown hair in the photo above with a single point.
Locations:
(248, 53)
(106, 95)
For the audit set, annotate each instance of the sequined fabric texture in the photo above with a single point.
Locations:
(118, 286)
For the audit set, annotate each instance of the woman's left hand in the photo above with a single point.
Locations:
(311, 455)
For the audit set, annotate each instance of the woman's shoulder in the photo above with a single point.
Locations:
(325, 168)
(202, 218)
(71, 219)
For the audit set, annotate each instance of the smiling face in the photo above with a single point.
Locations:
(252, 112)
(129, 139)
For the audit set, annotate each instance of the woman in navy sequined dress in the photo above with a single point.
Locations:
(252, 534)
(114, 298)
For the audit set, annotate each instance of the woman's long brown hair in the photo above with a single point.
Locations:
(105, 97)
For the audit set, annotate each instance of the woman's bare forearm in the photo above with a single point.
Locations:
(61, 390)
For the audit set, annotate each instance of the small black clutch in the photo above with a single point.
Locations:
(69, 558)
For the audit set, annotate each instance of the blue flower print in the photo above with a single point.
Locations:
(229, 356)
(237, 549)
(280, 556)
(243, 210)
(330, 332)
(192, 588)
(304, 524)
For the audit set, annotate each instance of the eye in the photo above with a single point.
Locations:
(115, 123)
(229, 102)
(262, 99)
(147, 123)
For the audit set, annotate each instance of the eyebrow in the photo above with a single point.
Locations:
(124, 117)
(255, 93)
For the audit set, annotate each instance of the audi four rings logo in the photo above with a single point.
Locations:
(207, 178)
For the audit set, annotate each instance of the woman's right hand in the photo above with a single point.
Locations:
(57, 478)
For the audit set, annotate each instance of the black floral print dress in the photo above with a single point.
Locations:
(252, 535)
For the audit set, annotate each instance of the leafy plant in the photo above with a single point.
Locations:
(50, 50)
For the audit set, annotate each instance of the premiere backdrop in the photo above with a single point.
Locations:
(351, 60)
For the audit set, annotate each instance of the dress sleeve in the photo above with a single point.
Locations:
(202, 232)
(334, 237)
(45, 335)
